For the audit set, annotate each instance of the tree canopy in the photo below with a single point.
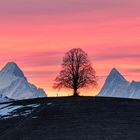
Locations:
(77, 71)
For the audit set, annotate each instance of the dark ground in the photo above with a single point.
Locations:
(76, 118)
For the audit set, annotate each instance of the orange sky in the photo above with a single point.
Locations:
(36, 34)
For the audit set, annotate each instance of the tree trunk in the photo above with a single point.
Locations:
(75, 93)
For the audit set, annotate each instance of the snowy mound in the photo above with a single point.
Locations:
(14, 85)
(117, 86)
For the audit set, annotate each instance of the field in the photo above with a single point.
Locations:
(73, 118)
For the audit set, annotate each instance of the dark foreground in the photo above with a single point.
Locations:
(79, 118)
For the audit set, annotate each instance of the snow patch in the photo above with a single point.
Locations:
(6, 111)
(49, 104)
(10, 111)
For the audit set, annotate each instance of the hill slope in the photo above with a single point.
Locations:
(82, 118)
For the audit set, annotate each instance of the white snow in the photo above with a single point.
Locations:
(3, 99)
(3, 106)
(33, 105)
(49, 104)
(14, 85)
(117, 86)
(9, 110)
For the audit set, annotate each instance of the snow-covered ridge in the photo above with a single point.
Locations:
(14, 85)
(117, 86)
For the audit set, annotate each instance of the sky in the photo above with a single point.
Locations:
(37, 33)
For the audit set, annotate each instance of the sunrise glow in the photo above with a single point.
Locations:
(36, 34)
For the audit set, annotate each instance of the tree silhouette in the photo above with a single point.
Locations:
(77, 71)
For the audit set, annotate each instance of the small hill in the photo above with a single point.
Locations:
(73, 118)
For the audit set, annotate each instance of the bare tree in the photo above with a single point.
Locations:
(77, 71)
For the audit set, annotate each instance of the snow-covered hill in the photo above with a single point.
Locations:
(14, 85)
(117, 86)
